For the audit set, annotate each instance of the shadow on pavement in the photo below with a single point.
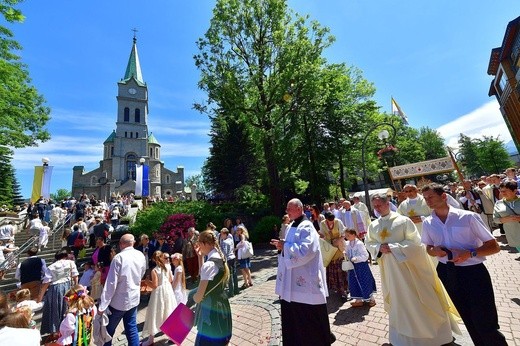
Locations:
(350, 315)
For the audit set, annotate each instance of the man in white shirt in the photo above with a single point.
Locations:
(122, 289)
(460, 241)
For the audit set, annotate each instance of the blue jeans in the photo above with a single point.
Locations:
(130, 324)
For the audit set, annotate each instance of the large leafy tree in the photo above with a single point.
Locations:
(248, 58)
(23, 112)
(483, 156)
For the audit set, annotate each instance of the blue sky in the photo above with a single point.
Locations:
(432, 57)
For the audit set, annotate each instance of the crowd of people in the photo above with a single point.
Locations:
(429, 243)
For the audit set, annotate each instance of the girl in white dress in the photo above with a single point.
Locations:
(179, 279)
(162, 300)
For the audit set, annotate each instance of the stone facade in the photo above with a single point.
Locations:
(127, 145)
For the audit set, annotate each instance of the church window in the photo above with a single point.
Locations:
(127, 114)
(157, 173)
(137, 115)
(131, 135)
(131, 161)
(126, 134)
(156, 153)
(137, 135)
(111, 151)
(93, 180)
(167, 179)
(151, 152)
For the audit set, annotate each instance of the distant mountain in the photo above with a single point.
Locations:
(511, 147)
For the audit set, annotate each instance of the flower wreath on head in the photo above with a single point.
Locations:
(76, 295)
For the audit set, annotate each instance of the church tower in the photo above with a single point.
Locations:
(128, 144)
(131, 135)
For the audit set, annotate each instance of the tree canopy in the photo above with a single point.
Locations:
(483, 156)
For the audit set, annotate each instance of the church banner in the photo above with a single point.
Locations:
(41, 182)
(141, 180)
(442, 165)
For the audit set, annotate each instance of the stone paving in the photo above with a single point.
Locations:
(256, 311)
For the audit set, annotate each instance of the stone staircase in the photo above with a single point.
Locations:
(8, 283)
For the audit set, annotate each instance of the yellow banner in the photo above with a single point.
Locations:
(37, 183)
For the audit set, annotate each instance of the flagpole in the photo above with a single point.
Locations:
(459, 173)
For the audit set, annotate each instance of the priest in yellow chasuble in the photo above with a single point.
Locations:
(414, 206)
(419, 309)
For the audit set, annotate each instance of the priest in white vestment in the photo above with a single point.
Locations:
(419, 309)
(414, 206)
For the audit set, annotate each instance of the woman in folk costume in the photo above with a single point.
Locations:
(333, 231)
(213, 317)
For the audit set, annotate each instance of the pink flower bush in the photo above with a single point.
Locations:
(177, 223)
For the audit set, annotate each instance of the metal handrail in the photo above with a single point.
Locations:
(12, 259)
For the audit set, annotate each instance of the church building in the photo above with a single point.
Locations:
(129, 145)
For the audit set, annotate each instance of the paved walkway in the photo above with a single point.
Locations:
(256, 312)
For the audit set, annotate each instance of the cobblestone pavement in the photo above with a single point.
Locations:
(256, 311)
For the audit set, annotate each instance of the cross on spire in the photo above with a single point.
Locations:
(135, 32)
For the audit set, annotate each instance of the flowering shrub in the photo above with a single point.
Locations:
(389, 150)
(177, 223)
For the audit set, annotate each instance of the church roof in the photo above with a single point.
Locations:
(133, 69)
(152, 139)
(110, 138)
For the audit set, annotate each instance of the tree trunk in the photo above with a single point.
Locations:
(341, 175)
(313, 183)
(275, 190)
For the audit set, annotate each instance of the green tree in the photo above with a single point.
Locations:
(60, 195)
(17, 191)
(233, 161)
(7, 174)
(483, 156)
(432, 143)
(247, 59)
(22, 109)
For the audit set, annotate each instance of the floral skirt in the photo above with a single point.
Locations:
(337, 278)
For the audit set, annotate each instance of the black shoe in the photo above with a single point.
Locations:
(332, 337)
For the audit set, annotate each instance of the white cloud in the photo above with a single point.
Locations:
(483, 121)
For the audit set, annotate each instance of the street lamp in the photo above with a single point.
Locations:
(45, 161)
(382, 135)
(142, 160)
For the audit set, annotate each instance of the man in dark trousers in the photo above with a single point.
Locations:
(301, 283)
(30, 273)
(460, 241)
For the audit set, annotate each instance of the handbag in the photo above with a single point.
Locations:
(246, 251)
(178, 325)
(249, 249)
(347, 265)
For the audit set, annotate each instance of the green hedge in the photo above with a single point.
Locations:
(263, 230)
(152, 217)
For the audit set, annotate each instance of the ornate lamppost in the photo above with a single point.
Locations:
(383, 136)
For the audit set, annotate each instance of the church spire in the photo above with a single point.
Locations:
(133, 69)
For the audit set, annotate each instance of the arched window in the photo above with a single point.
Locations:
(126, 134)
(127, 114)
(137, 135)
(131, 135)
(157, 172)
(167, 178)
(111, 151)
(93, 180)
(156, 153)
(131, 161)
(137, 115)
(151, 152)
